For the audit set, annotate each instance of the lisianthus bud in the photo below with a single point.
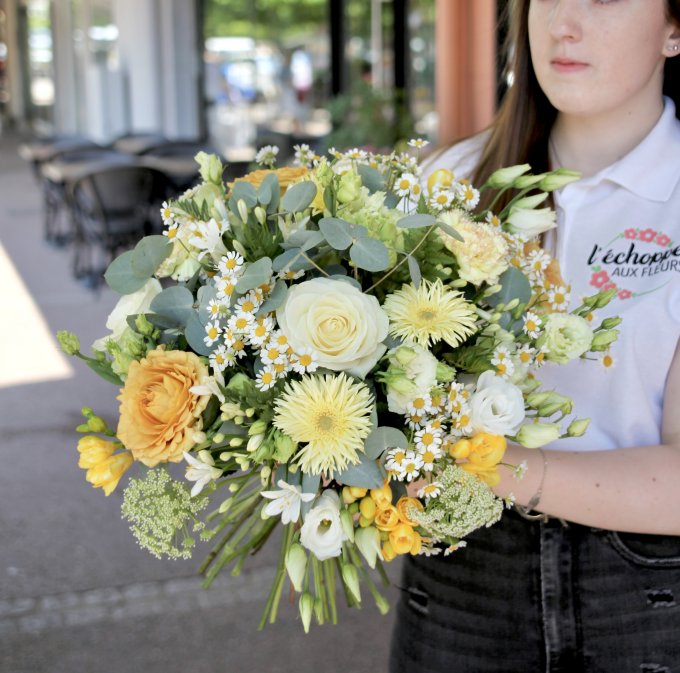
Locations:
(578, 427)
(350, 576)
(531, 222)
(530, 201)
(603, 298)
(404, 355)
(347, 524)
(526, 181)
(610, 323)
(242, 210)
(260, 214)
(296, 565)
(349, 188)
(602, 340)
(400, 383)
(504, 177)
(534, 435)
(306, 606)
(445, 374)
(558, 179)
(257, 428)
(368, 541)
(69, 342)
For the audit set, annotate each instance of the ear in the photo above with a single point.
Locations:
(672, 47)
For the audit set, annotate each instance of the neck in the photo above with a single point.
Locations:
(589, 144)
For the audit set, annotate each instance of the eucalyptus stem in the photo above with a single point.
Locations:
(398, 264)
(314, 264)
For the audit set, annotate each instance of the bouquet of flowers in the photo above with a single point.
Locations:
(337, 350)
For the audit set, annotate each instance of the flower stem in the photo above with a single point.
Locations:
(329, 571)
(272, 606)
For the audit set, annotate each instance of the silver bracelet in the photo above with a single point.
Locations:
(526, 512)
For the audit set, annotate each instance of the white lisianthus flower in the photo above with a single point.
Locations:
(322, 532)
(286, 501)
(530, 222)
(497, 406)
(420, 367)
(483, 254)
(341, 324)
(565, 337)
(128, 304)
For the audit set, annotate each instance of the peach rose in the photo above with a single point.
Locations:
(159, 415)
(287, 175)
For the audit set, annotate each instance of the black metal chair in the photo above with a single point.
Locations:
(113, 210)
(55, 176)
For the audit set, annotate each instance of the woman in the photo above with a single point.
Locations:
(596, 586)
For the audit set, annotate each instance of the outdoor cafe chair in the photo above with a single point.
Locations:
(113, 209)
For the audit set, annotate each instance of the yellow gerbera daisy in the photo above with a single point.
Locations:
(430, 314)
(330, 413)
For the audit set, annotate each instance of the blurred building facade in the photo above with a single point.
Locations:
(104, 68)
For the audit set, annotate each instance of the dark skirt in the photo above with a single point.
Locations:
(525, 597)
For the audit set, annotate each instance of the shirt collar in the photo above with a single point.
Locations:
(652, 169)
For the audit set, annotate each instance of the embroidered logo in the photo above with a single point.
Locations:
(648, 253)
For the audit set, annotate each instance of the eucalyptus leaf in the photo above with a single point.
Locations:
(370, 254)
(242, 191)
(414, 270)
(416, 221)
(206, 294)
(448, 229)
(121, 277)
(267, 189)
(337, 232)
(310, 484)
(383, 438)
(347, 279)
(174, 302)
(391, 200)
(514, 285)
(195, 333)
(162, 322)
(329, 200)
(365, 474)
(304, 239)
(298, 197)
(275, 299)
(255, 274)
(291, 260)
(371, 178)
(149, 254)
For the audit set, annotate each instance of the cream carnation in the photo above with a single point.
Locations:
(482, 256)
(340, 323)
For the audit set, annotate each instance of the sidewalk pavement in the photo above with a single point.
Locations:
(76, 593)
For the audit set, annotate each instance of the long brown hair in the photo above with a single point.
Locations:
(525, 118)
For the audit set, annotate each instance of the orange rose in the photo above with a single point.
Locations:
(386, 519)
(404, 504)
(158, 413)
(286, 175)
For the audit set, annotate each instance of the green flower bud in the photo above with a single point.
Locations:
(504, 177)
(350, 576)
(603, 298)
(404, 355)
(578, 427)
(306, 606)
(260, 214)
(602, 340)
(526, 181)
(257, 428)
(400, 383)
(368, 542)
(284, 447)
(69, 342)
(534, 435)
(535, 400)
(254, 442)
(296, 565)
(347, 524)
(381, 603)
(349, 188)
(610, 323)
(242, 210)
(445, 374)
(143, 326)
(210, 167)
(530, 201)
(558, 179)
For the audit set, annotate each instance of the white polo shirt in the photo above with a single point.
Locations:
(619, 228)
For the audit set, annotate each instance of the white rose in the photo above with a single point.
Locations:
(421, 369)
(530, 222)
(322, 531)
(342, 324)
(497, 406)
(565, 337)
(128, 304)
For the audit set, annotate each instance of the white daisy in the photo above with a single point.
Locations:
(532, 324)
(430, 491)
(441, 199)
(428, 438)
(404, 184)
(212, 333)
(418, 143)
(266, 156)
(305, 360)
(221, 358)
(241, 323)
(265, 378)
(559, 297)
(271, 354)
(468, 195)
(607, 360)
(420, 405)
(410, 467)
